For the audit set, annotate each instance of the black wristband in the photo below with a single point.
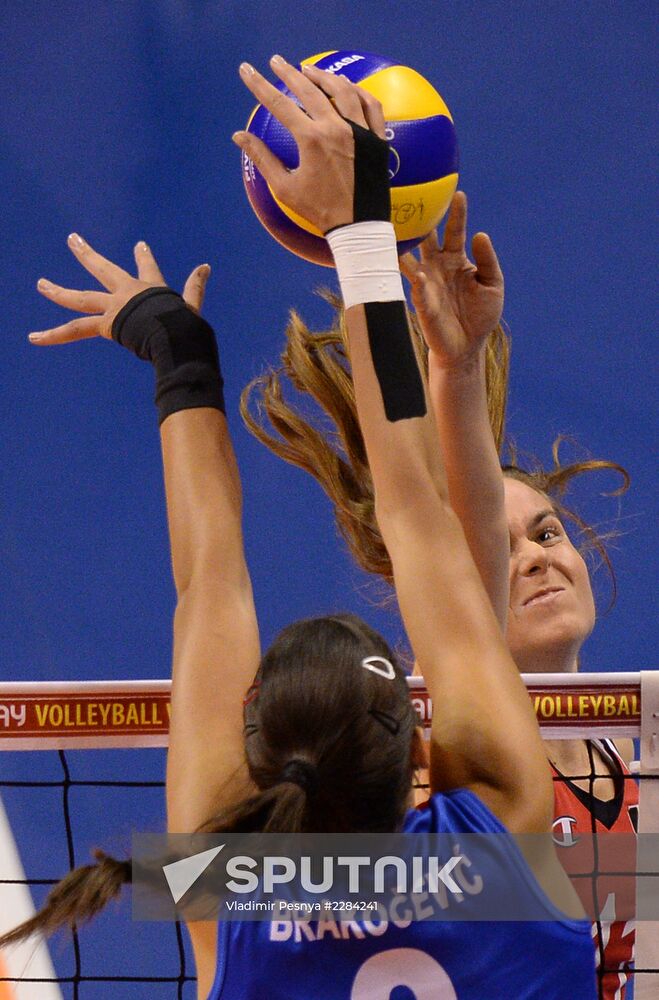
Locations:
(157, 326)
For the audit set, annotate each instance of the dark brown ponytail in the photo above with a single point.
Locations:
(79, 896)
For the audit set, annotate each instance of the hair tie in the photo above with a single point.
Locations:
(300, 772)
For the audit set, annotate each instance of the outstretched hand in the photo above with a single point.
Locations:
(458, 303)
(321, 188)
(120, 288)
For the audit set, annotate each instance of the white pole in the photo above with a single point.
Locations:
(27, 958)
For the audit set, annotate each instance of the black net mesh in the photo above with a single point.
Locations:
(613, 939)
(93, 960)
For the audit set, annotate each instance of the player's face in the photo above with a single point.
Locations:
(551, 602)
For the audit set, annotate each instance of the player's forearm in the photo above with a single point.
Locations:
(475, 483)
(201, 477)
(403, 455)
(203, 492)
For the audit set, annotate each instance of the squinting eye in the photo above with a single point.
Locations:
(546, 534)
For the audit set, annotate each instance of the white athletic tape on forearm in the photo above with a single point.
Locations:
(366, 260)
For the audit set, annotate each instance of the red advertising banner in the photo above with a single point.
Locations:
(89, 714)
(100, 714)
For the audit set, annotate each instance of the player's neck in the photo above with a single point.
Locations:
(562, 660)
(569, 756)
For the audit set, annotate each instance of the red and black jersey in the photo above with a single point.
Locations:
(578, 816)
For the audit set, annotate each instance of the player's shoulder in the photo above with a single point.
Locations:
(624, 750)
(459, 810)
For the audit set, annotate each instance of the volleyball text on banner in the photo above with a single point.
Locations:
(102, 714)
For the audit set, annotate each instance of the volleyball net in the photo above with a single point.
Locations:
(82, 765)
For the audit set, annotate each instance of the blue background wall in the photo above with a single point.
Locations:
(115, 122)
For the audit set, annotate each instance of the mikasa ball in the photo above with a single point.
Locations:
(423, 159)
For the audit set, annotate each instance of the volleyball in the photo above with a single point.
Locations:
(423, 159)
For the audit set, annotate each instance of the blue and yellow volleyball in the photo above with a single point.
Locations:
(423, 161)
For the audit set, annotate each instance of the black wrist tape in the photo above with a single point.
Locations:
(157, 326)
(372, 198)
(394, 360)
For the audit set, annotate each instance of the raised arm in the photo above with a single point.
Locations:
(458, 305)
(216, 647)
(216, 642)
(484, 732)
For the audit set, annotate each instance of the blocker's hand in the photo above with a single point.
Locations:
(121, 286)
(458, 303)
(321, 189)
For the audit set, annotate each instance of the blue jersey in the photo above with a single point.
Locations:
(399, 959)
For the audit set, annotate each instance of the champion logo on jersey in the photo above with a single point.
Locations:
(563, 831)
